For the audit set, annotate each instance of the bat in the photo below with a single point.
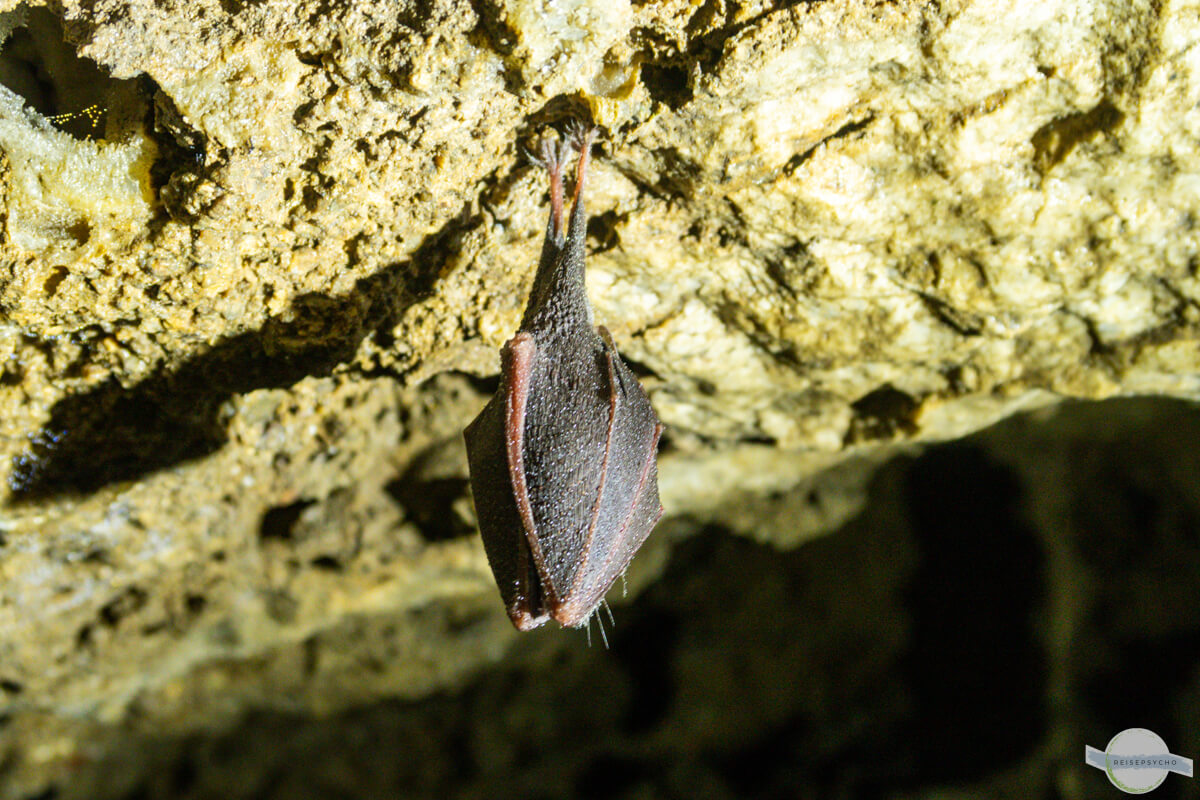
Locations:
(563, 458)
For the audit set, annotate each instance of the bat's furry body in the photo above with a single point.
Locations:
(563, 457)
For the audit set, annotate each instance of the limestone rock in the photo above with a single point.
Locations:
(244, 320)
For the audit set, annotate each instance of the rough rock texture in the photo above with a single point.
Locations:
(244, 319)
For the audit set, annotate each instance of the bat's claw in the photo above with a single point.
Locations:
(552, 154)
(581, 135)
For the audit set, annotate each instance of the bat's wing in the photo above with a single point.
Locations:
(628, 506)
(498, 504)
(565, 433)
(563, 472)
(593, 479)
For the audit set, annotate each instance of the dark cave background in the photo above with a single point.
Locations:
(1001, 602)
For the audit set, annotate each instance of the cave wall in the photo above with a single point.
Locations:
(248, 305)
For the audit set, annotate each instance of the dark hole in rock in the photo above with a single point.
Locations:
(155, 628)
(429, 503)
(384, 339)
(55, 280)
(127, 602)
(11, 374)
(80, 231)
(195, 603)
(329, 563)
(762, 439)
(280, 522)
(97, 555)
(668, 84)
(182, 154)
(882, 413)
(39, 63)
(885, 402)
(602, 229)
(1055, 140)
(11, 686)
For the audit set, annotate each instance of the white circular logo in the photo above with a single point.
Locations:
(1137, 760)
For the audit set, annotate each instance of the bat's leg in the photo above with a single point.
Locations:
(582, 137)
(553, 158)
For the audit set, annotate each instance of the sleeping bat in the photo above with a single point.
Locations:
(563, 457)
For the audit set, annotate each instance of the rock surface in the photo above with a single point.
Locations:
(244, 321)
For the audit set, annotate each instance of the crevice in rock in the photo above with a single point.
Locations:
(181, 165)
(429, 502)
(39, 63)
(1055, 140)
(848, 129)
(279, 523)
(882, 413)
(603, 229)
(667, 84)
(668, 78)
(62, 191)
(128, 602)
(961, 322)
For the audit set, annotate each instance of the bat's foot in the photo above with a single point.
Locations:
(553, 156)
(581, 135)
